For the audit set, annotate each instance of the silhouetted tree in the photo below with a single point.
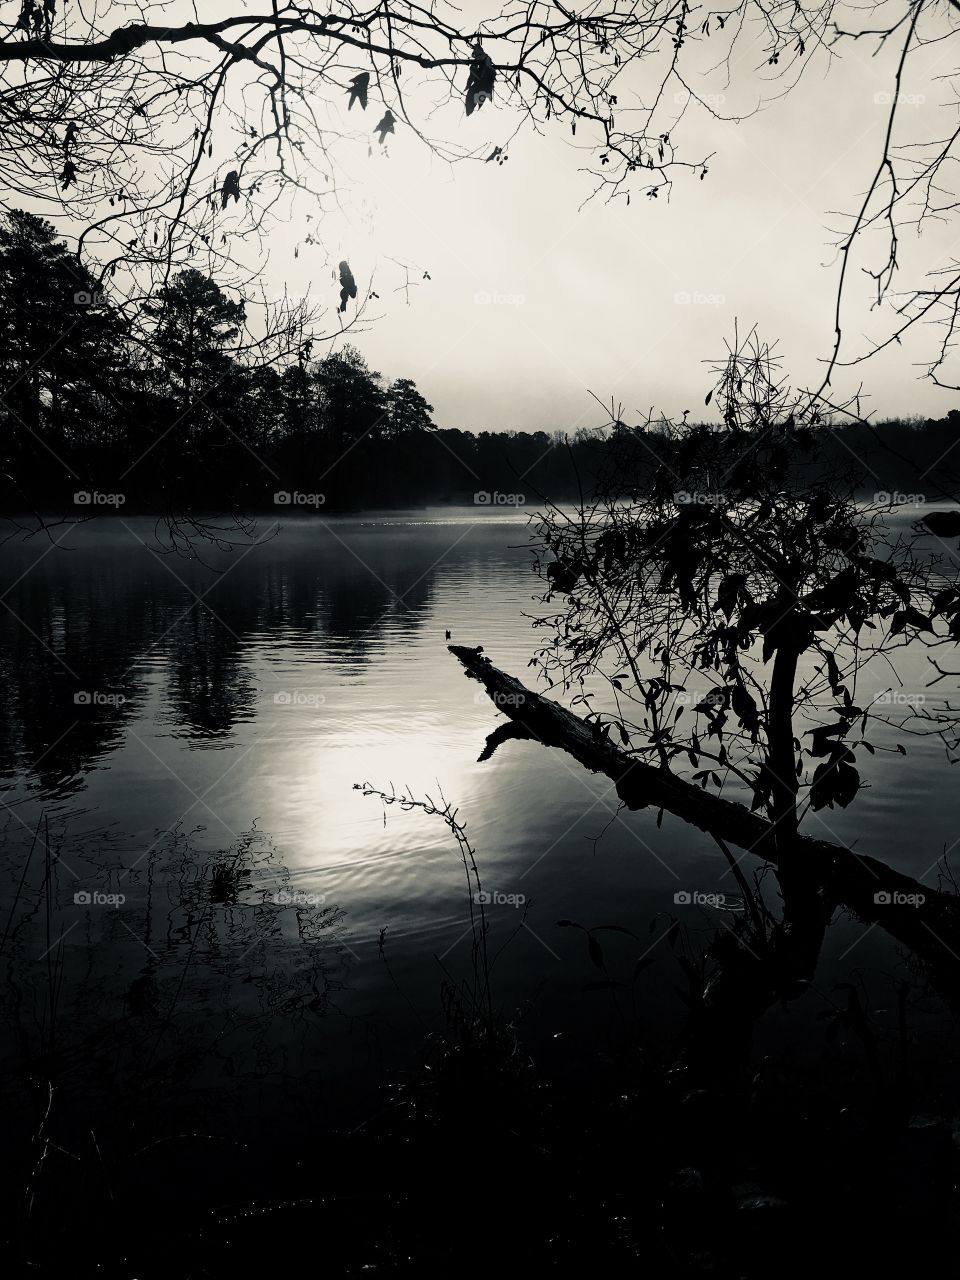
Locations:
(407, 410)
(62, 355)
(263, 408)
(351, 400)
(298, 410)
(732, 592)
(196, 324)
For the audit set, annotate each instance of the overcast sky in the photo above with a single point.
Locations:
(534, 302)
(623, 302)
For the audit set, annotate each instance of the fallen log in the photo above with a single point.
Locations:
(925, 919)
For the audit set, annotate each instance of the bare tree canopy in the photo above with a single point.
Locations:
(163, 136)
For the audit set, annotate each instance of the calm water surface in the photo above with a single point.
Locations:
(188, 734)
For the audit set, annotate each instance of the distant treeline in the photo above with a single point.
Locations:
(171, 405)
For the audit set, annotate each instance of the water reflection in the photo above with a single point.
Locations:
(86, 627)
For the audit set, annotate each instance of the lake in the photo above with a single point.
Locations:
(185, 735)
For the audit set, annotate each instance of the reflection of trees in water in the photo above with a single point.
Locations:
(208, 689)
(66, 637)
(97, 620)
